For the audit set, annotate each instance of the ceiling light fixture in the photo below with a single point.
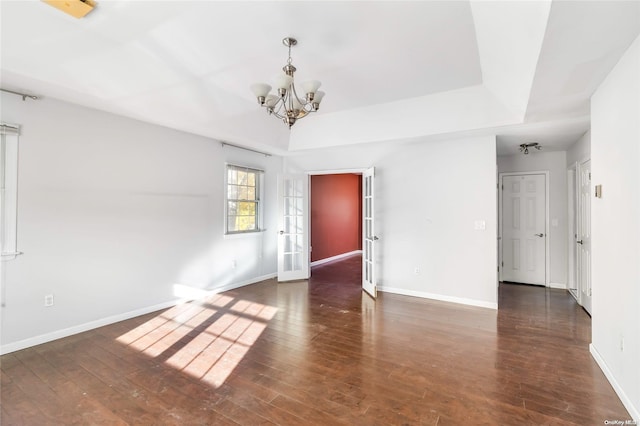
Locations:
(287, 105)
(75, 8)
(524, 147)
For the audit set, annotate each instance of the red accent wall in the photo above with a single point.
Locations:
(336, 215)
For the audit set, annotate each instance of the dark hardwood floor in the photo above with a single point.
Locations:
(321, 352)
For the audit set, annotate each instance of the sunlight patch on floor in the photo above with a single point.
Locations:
(208, 353)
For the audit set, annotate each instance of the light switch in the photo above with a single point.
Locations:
(480, 225)
(554, 222)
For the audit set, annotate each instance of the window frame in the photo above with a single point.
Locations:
(258, 198)
(9, 164)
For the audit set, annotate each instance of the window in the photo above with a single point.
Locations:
(8, 190)
(243, 199)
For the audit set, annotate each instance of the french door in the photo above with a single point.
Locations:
(293, 238)
(369, 237)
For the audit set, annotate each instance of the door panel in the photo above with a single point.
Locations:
(293, 239)
(524, 229)
(572, 197)
(583, 240)
(368, 234)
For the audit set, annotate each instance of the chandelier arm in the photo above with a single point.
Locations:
(306, 109)
(302, 102)
(277, 110)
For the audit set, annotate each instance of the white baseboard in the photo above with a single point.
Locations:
(65, 332)
(459, 300)
(561, 286)
(626, 401)
(335, 258)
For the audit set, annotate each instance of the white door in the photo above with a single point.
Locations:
(293, 238)
(572, 215)
(583, 238)
(368, 234)
(524, 229)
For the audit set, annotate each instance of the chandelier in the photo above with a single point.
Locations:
(287, 105)
(524, 147)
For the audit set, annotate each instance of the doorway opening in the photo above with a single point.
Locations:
(365, 220)
(336, 217)
(294, 248)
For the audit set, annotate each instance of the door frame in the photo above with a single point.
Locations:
(359, 171)
(547, 272)
(572, 223)
(578, 275)
(574, 264)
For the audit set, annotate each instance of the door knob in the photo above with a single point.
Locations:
(540, 235)
(579, 241)
(375, 238)
(281, 232)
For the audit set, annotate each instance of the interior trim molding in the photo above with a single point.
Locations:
(335, 258)
(440, 297)
(626, 401)
(561, 286)
(80, 328)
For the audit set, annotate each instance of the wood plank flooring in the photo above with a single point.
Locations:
(320, 352)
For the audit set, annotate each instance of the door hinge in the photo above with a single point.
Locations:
(503, 187)
(502, 264)
(589, 175)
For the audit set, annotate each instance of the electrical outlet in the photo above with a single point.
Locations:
(48, 300)
(233, 264)
(416, 270)
(479, 225)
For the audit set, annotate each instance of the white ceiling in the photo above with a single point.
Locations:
(391, 70)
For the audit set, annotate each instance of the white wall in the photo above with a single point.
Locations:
(615, 158)
(555, 163)
(112, 213)
(580, 150)
(428, 197)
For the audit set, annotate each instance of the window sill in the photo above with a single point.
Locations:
(235, 235)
